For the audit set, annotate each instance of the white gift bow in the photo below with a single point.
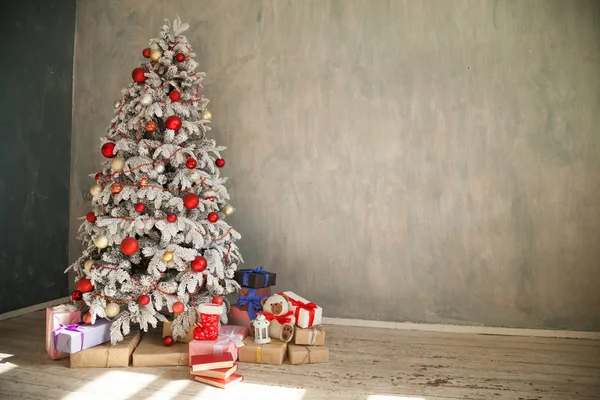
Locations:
(65, 308)
(232, 336)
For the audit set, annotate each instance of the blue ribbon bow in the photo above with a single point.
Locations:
(259, 270)
(253, 302)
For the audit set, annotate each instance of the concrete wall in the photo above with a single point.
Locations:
(418, 160)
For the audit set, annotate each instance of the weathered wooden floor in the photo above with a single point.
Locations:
(366, 364)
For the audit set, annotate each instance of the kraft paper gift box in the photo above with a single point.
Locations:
(299, 354)
(313, 336)
(62, 315)
(74, 338)
(168, 331)
(270, 353)
(307, 313)
(239, 317)
(250, 300)
(107, 355)
(151, 352)
(255, 278)
(230, 338)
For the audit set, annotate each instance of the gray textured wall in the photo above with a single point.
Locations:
(433, 161)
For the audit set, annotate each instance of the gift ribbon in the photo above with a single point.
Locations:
(252, 301)
(229, 337)
(313, 333)
(259, 354)
(309, 350)
(258, 270)
(282, 319)
(309, 307)
(72, 328)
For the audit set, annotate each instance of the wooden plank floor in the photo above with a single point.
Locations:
(366, 364)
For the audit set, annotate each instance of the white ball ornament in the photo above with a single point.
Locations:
(146, 100)
(101, 241)
(95, 190)
(194, 176)
(117, 104)
(160, 168)
(117, 164)
(87, 266)
(112, 310)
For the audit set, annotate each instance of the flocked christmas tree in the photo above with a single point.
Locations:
(156, 241)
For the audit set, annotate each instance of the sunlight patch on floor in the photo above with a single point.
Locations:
(5, 355)
(245, 390)
(114, 385)
(386, 397)
(5, 367)
(170, 390)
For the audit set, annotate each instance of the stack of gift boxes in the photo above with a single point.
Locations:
(263, 328)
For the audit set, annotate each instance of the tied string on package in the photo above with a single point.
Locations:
(259, 270)
(310, 307)
(282, 319)
(252, 301)
(307, 356)
(72, 328)
(313, 333)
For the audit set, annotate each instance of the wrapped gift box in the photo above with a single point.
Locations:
(230, 338)
(307, 354)
(255, 278)
(250, 300)
(313, 336)
(168, 331)
(270, 353)
(239, 317)
(151, 352)
(63, 315)
(107, 355)
(74, 338)
(307, 314)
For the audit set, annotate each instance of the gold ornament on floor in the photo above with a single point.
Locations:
(116, 188)
(95, 190)
(206, 115)
(144, 183)
(101, 241)
(87, 266)
(228, 210)
(117, 164)
(155, 54)
(112, 310)
(168, 256)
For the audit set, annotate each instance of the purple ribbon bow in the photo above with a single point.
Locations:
(71, 327)
(259, 270)
(252, 301)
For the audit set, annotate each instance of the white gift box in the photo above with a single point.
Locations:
(307, 313)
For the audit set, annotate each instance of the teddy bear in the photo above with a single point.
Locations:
(277, 310)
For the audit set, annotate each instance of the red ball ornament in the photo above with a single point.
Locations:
(129, 246)
(139, 207)
(191, 163)
(76, 295)
(116, 188)
(87, 318)
(146, 52)
(174, 95)
(178, 307)
(150, 126)
(218, 300)
(220, 162)
(191, 201)
(180, 57)
(138, 75)
(168, 340)
(98, 176)
(198, 264)
(213, 217)
(84, 285)
(108, 150)
(173, 122)
(171, 217)
(144, 299)
(91, 217)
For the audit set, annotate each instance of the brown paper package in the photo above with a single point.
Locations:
(313, 336)
(168, 330)
(151, 352)
(307, 354)
(106, 355)
(270, 353)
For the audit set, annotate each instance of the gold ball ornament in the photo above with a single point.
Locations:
(95, 190)
(155, 54)
(228, 210)
(206, 115)
(168, 256)
(117, 164)
(101, 241)
(87, 266)
(112, 310)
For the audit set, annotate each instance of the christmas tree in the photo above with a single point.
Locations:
(156, 241)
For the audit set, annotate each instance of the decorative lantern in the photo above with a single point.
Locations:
(261, 329)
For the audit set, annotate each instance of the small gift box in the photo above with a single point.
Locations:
(307, 313)
(239, 317)
(313, 336)
(63, 315)
(269, 353)
(230, 338)
(107, 355)
(250, 300)
(255, 278)
(151, 352)
(168, 331)
(307, 354)
(77, 337)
